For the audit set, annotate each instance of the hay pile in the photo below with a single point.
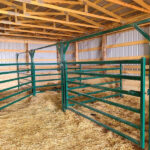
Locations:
(39, 124)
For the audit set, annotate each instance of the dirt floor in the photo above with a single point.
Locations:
(38, 123)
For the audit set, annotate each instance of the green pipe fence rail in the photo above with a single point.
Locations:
(14, 87)
(64, 71)
(69, 100)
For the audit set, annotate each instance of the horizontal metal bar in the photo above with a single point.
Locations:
(87, 78)
(107, 115)
(16, 86)
(47, 46)
(47, 85)
(4, 98)
(95, 92)
(15, 64)
(99, 69)
(93, 100)
(15, 101)
(73, 68)
(47, 69)
(38, 75)
(27, 64)
(113, 82)
(108, 102)
(47, 80)
(138, 61)
(108, 75)
(105, 126)
(133, 93)
(15, 79)
(9, 72)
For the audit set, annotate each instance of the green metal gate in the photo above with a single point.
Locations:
(69, 101)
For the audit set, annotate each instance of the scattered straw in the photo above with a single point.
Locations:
(39, 124)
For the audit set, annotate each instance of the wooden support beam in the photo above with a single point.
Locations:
(39, 26)
(58, 56)
(143, 4)
(24, 8)
(35, 32)
(27, 53)
(129, 6)
(16, 19)
(101, 9)
(47, 19)
(28, 36)
(104, 43)
(11, 4)
(50, 6)
(63, 2)
(76, 52)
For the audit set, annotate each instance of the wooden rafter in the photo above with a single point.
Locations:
(35, 32)
(129, 6)
(63, 2)
(40, 26)
(46, 19)
(67, 18)
(54, 7)
(143, 4)
(29, 36)
(101, 9)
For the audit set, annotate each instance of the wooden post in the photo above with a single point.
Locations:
(58, 56)
(76, 52)
(27, 53)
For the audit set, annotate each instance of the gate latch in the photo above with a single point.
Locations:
(148, 92)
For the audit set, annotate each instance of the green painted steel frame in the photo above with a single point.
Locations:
(119, 91)
(63, 46)
(62, 51)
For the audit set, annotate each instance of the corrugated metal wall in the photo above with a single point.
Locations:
(70, 55)
(90, 49)
(45, 55)
(8, 51)
(129, 50)
(119, 45)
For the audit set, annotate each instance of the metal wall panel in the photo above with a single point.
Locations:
(87, 45)
(124, 37)
(8, 51)
(40, 56)
(70, 54)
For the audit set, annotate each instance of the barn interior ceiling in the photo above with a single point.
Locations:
(66, 19)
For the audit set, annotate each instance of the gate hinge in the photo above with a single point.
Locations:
(148, 92)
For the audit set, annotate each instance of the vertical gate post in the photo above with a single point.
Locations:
(121, 95)
(64, 85)
(142, 104)
(33, 72)
(80, 74)
(17, 57)
(146, 36)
